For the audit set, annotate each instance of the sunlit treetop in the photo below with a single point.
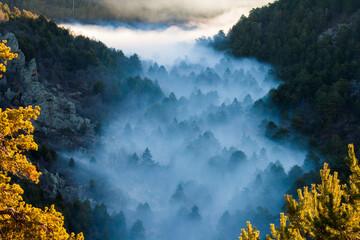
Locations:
(328, 210)
(19, 220)
(5, 55)
(15, 139)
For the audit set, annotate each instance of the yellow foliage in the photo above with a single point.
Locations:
(15, 139)
(19, 220)
(5, 55)
(6, 13)
(328, 211)
(284, 232)
(250, 233)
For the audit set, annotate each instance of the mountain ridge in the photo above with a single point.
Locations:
(315, 49)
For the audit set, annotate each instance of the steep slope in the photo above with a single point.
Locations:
(78, 83)
(315, 47)
(86, 10)
(75, 80)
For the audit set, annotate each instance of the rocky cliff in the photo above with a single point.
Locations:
(59, 123)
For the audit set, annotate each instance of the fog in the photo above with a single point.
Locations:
(197, 153)
(164, 42)
(178, 11)
(196, 164)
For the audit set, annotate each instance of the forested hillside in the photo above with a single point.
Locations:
(315, 48)
(195, 163)
(87, 74)
(76, 82)
(84, 10)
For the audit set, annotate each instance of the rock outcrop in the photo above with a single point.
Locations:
(58, 111)
(59, 124)
(17, 64)
(53, 184)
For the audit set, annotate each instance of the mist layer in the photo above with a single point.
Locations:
(181, 163)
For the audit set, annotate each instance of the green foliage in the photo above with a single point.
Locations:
(71, 163)
(99, 88)
(297, 123)
(63, 57)
(95, 222)
(282, 133)
(44, 153)
(85, 10)
(315, 48)
(83, 128)
(95, 77)
(329, 210)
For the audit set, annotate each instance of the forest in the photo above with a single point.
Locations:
(86, 10)
(315, 49)
(193, 150)
(104, 77)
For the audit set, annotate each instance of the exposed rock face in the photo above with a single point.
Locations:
(59, 123)
(29, 74)
(53, 184)
(17, 64)
(58, 112)
(332, 32)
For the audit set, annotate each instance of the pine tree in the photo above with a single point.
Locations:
(250, 233)
(137, 231)
(19, 220)
(328, 210)
(195, 215)
(178, 194)
(147, 158)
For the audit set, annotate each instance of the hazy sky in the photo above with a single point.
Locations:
(178, 10)
(204, 18)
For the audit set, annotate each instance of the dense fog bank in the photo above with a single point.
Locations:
(163, 40)
(195, 164)
(177, 11)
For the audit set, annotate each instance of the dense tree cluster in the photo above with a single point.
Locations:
(328, 210)
(84, 10)
(103, 76)
(18, 219)
(315, 48)
(93, 76)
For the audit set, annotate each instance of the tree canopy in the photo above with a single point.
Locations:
(328, 210)
(19, 220)
(314, 47)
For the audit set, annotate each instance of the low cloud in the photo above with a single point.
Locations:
(150, 40)
(177, 11)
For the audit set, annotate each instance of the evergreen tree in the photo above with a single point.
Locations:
(147, 158)
(19, 220)
(237, 158)
(143, 210)
(137, 231)
(328, 210)
(178, 194)
(120, 223)
(311, 162)
(71, 163)
(133, 160)
(195, 215)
